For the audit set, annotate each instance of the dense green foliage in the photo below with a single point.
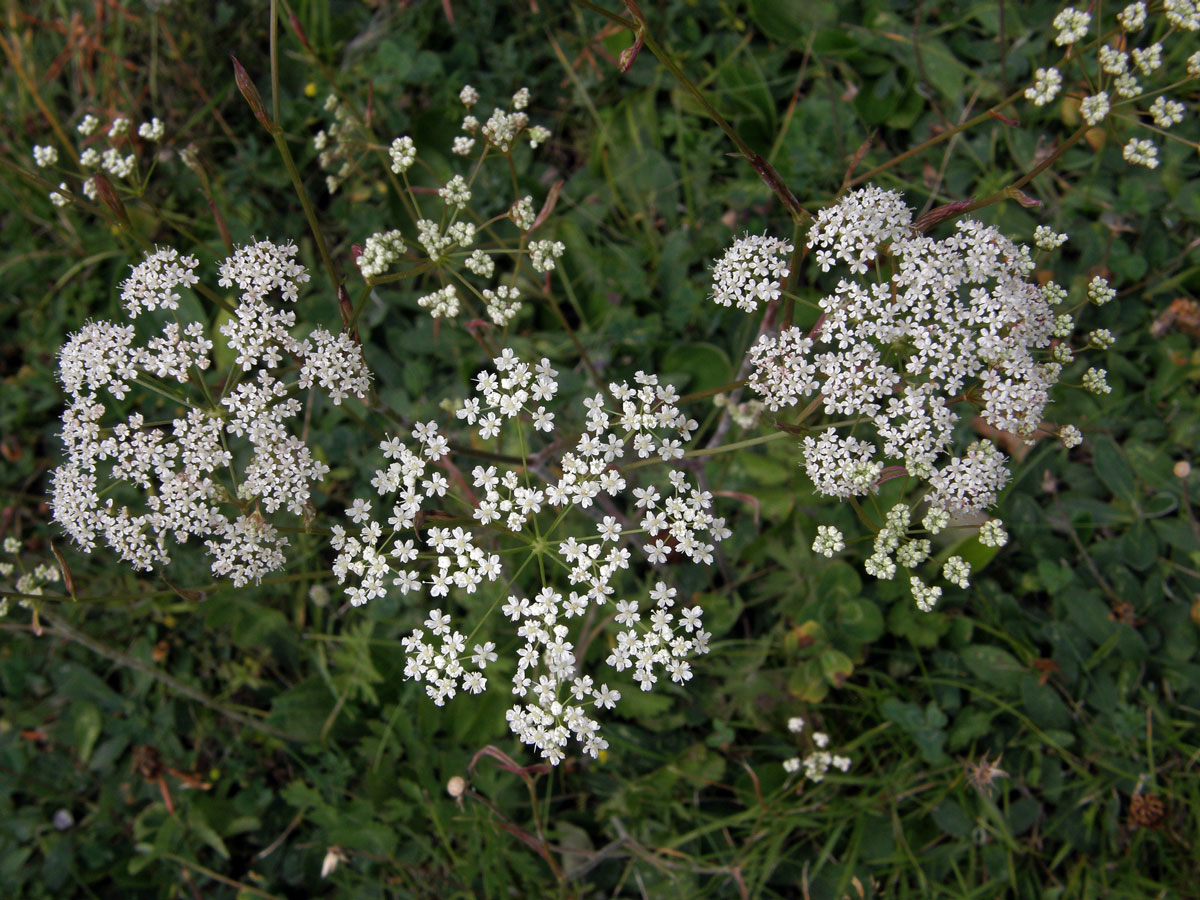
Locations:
(1035, 736)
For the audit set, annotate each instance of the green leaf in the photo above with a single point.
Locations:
(993, 666)
(302, 710)
(1043, 705)
(704, 365)
(860, 620)
(950, 817)
(86, 728)
(788, 21)
(836, 666)
(1140, 546)
(205, 832)
(1113, 469)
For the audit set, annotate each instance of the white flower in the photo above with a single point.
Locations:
(829, 541)
(380, 251)
(45, 156)
(403, 153)
(1149, 59)
(957, 571)
(1133, 16)
(152, 130)
(1047, 239)
(87, 125)
(925, 596)
(1094, 108)
(1166, 112)
(1046, 85)
(751, 271)
(468, 95)
(153, 281)
(1099, 291)
(1094, 381)
(992, 533)
(1072, 25)
(1070, 436)
(542, 254)
(455, 192)
(522, 213)
(441, 303)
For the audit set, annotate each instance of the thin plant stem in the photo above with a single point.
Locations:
(217, 876)
(61, 628)
(274, 62)
(933, 141)
(712, 451)
(309, 213)
(765, 170)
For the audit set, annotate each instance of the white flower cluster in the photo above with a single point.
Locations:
(448, 243)
(511, 508)
(1121, 65)
(817, 762)
(379, 252)
(28, 581)
(783, 370)
(179, 470)
(339, 145)
(45, 156)
(965, 317)
(152, 130)
(441, 303)
(153, 281)
(1046, 85)
(111, 160)
(751, 272)
(941, 322)
(542, 255)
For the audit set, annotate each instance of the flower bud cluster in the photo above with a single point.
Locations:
(818, 761)
(1131, 69)
(30, 581)
(111, 160)
(447, 243)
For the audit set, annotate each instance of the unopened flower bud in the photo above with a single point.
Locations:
(250, 92)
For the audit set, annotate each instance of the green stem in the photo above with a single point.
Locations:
(765, 170)
(217, 876)
(62, 629)
(934, 141)
(1008, 192)
(711, 451)
(298, 184)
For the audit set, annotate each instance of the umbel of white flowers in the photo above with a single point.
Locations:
(137, 486)
(582, 518)
(914, 326)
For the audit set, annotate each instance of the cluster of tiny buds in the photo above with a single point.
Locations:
(111, 160)
(816, 763)
(1120, 67)
(31, 582)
